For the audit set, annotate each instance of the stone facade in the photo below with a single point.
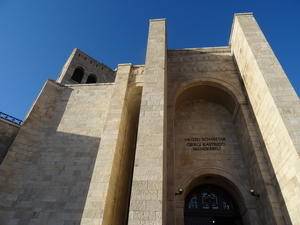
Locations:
(103, 146)
(8, 132)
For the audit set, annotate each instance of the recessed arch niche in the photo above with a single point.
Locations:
(205, 137)
(209, 89)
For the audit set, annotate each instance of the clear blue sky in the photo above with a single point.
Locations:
(37, 37)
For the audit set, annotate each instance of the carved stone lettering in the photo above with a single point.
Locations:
(205, 143)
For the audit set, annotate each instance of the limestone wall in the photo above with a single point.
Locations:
(45, 177)
(146, 203)
(275, 106)
(8, 132)
(267, 205)
(109, 192)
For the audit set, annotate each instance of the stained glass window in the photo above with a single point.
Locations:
(209, 201)
(209, 204)
(193, 202)
(210, 197)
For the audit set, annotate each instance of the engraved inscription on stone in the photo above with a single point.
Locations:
(206, 143)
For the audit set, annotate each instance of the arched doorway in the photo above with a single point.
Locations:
(209, 204)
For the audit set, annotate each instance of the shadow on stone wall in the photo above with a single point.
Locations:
(8, 132)
(50, 186)
(46, 174)
(273, 178)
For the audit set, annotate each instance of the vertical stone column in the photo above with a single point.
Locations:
(275, 105)
(147, 188)
(101, 200)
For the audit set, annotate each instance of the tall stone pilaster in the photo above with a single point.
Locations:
(101, 201)
(147, 188)
(275, 106)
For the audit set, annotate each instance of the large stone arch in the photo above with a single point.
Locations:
(231, 97)
(237, 187)
(213, 89)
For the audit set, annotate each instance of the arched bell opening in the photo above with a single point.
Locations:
(78, 74)
(91, 79)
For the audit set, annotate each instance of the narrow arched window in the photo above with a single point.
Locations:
(91, 79)
(77, 75)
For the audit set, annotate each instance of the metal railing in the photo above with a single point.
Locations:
(10, 118)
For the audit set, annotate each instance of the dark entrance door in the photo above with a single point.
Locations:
(210, 204)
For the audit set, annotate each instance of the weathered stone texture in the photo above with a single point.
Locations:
(46, 174)
(202, 119)
(146, 200)
(8, 132)
(275, 105)
(112, 175)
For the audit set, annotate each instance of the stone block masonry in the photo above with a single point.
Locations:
(8, 132)
(275, 107)
(147, 186)
(45, 176)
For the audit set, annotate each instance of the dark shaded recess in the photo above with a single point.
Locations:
(77, 75)
(91, 79)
